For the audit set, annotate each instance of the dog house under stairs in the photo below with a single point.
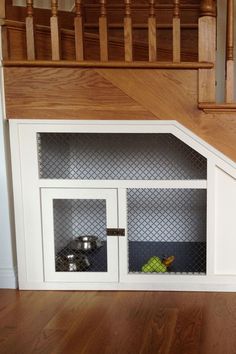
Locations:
(128, 205)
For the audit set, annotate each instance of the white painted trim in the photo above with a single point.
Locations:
(18, 203)
(123, 241)
(225, 223)
(164, 283)
(7, 230)
(173, 184)
(210, 217)
(8, 278)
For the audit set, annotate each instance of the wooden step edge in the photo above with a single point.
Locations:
(217, 107)
(108, 64)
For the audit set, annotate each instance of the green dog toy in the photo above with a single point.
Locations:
(154, 264)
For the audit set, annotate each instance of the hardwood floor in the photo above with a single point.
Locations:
(117, 322)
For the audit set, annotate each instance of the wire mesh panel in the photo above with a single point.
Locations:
(117, 156)
(166, 230)
(80, 235)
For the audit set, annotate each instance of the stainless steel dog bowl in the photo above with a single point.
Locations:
(86, 243)
(72, 262)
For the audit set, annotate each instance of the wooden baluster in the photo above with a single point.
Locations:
(30, 34)
(103, 35)
(229, 88)
(208, 8)
(207, 51)
(2, 9)
(176, 32)
(79, 31)
(5, 48)
(128, 34)
(55, 37)
(152, 32)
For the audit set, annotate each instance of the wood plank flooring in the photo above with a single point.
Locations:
(117, 322)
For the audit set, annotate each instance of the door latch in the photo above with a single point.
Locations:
(115, 232)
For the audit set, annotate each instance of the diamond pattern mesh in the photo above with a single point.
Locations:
(79, 217)
(164, 223)
(117, 156)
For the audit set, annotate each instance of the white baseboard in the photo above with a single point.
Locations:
(8, 278)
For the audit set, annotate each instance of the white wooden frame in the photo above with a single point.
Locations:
(27, 187)
(110, 196)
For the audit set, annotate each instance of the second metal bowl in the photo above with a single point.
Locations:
(86, 243)
(67, 261)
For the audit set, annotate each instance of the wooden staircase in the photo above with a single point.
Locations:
(39, 44)
(120, 60)
(16, 30)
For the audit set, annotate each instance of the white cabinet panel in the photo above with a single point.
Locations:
(225, 224)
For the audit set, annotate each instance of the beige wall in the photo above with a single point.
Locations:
(7, 243)
(63, 4)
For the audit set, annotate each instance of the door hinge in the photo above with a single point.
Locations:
(115, 232)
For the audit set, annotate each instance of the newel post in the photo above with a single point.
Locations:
(207, 51)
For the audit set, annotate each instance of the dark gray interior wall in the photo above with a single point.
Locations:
(166, 215)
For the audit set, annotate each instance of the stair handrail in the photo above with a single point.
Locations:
(77, 26)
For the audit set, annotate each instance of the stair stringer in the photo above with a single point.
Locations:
(173, 95)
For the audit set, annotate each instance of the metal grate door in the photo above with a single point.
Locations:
(165, 223)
